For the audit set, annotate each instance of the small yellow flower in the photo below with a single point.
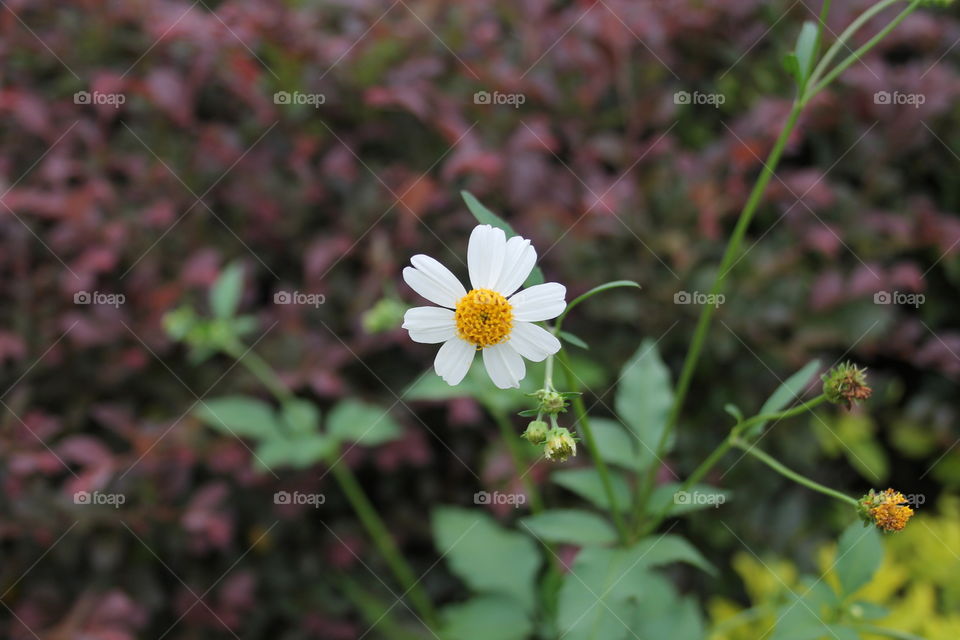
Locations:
(888, 510)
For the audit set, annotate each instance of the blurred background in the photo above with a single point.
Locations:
(146, 144)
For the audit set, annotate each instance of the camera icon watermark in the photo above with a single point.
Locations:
(298, 97)
(296, 497)
(513, 499)
(698, 98)
(897, 98)
(498, 98)
(898, 297)
(115, 500)
(98, 97)
(99, 298)
(699, 498)
(297, 297)
(699, 298)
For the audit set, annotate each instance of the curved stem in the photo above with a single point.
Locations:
(841, 41)
(580, 410)
(384, 542)
(706, 313)
(777, 466)
(858, 54)
(516, 454)
(797, 410)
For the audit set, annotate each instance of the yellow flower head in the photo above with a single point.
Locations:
(888, 510)
(560, 445)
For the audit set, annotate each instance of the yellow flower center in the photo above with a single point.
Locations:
(891, 514)
(484, 317)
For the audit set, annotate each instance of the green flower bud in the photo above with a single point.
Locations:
(551, 402)
(536, 432)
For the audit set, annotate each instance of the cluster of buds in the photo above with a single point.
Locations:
(888, 510)
(558, 443)
(846, 384)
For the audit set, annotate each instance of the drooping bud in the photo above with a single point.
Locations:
(887, 510)
(560, 445)
(536, 432)
(846, 384)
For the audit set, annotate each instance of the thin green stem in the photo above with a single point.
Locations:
(707, 311)
(519, 460)
(717, 454)
(858, 54)
(777, 466)
(580, 410)
(352, 489)
(384, 542)
(841, 41)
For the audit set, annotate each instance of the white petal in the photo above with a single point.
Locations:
(485, 253)
(533, 342)
(504, 365)
(430, 324)
(433, 281)
(518, 262)
(453, 360)
(539, 302)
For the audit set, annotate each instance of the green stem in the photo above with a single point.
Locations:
(858, 54)
(384, 542)
(841, 41)
(519, 460)
(706, 313)
(777, 466)
(728, 443)
(352, 489)
(580, 410)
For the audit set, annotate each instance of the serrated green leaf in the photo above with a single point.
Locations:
(226, 291)
(365, 424)
(643, 399)
(616, 445)
(656, 551)
(486, 216)
(486, 557)
(485, 618)
(859, 554)
(240, 415)
(301, 416)
(587, 484)
(571, 526)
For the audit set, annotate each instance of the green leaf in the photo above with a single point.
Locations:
(594, 601)
(669, 617)
(616, 445)
(786, 393)
(486, 216)
(587, 484)
(643, 399)
(568, 337)
(226, 291)
(301, 416)
(697, 497)
(485, 618)
(570, 526)
(805, 53)
(656, 551)
(859, 554)
(488, 558)
(365, 424)
(239, 415)
(297, 453)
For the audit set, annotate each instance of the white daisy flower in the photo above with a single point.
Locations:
(491, 317)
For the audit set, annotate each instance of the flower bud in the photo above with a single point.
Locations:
(846, 384)
(536, 432)
(551, 402)
(560, 445)
(887, 510)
